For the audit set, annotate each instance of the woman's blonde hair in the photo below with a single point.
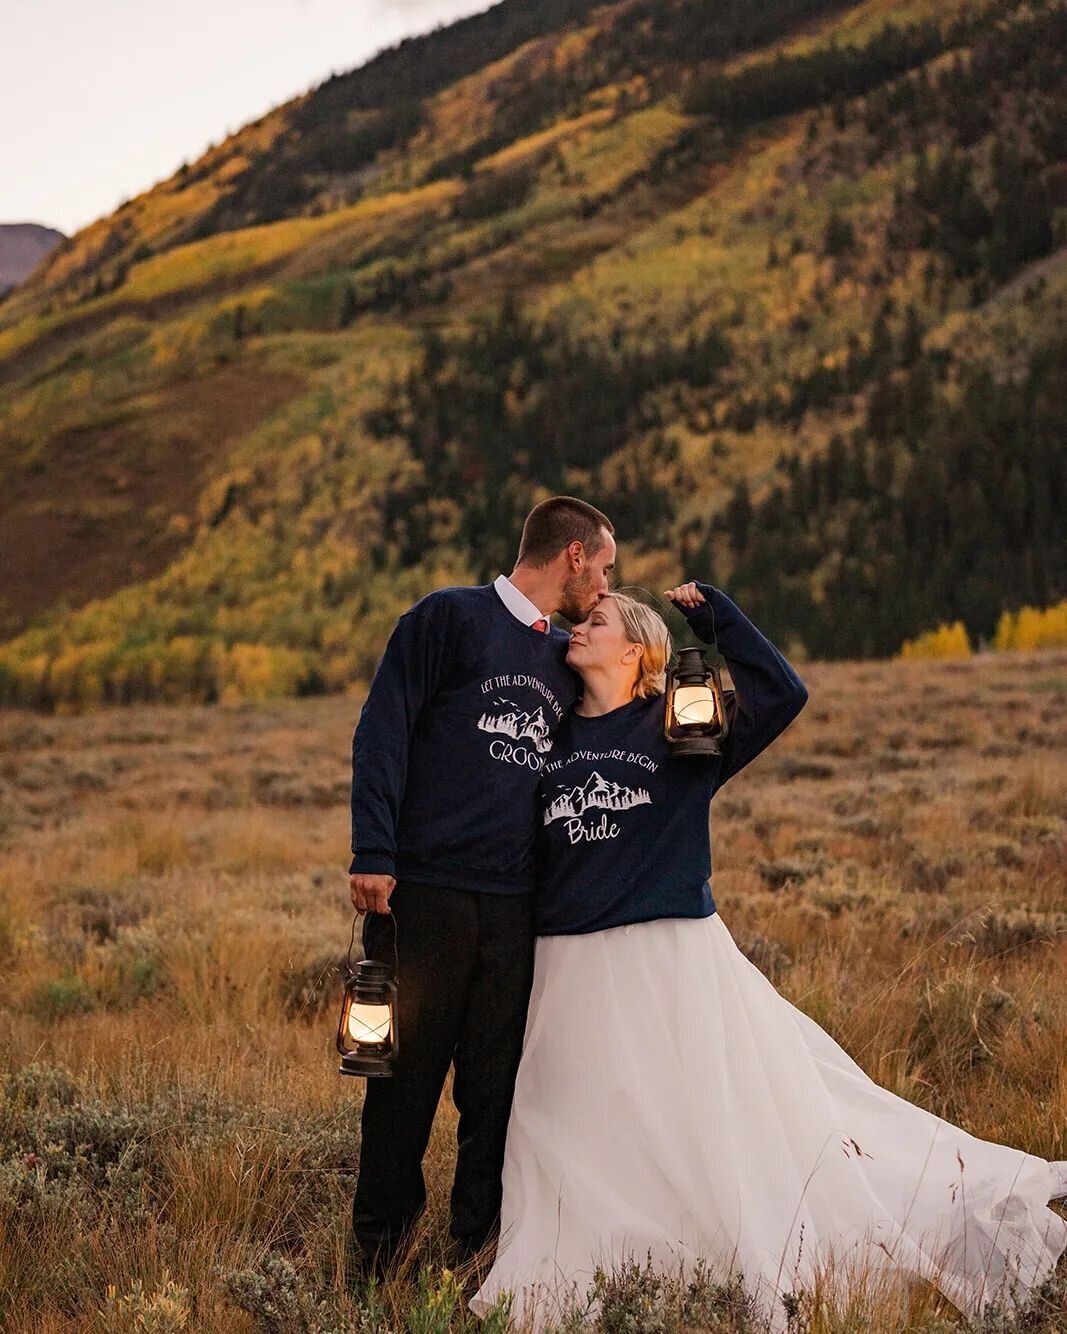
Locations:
(647, 627)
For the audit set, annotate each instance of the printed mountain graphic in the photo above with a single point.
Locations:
(514, 722)
(596, 793)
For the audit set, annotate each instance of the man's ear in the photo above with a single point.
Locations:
(576, 554)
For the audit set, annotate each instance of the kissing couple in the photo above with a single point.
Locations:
(629, 1086)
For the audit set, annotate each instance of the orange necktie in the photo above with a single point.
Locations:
(541, 625)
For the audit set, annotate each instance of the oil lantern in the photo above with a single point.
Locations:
(367, 1033)
(695, 721)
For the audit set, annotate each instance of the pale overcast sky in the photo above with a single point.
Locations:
(100, 99)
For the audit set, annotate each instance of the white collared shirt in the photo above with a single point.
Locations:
(517, 602)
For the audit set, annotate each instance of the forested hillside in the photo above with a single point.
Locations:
(782, 287)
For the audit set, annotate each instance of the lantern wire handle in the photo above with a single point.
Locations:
(665, 610)
(396, 943)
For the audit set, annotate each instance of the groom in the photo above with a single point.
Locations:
(446, 758)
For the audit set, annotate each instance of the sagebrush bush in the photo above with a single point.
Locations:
(960, 1021)
(162, 1310)
(60, 998)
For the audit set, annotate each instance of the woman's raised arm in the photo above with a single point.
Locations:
(768, 692)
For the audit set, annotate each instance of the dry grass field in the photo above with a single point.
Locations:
(176, 1148)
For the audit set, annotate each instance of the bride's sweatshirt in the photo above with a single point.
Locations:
(624, 834)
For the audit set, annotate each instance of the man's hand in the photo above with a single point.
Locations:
(688, 595)
(370, 893)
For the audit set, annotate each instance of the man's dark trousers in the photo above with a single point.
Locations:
(465, 972)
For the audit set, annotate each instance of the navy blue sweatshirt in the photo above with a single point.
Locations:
(624, 832)
(451, 741)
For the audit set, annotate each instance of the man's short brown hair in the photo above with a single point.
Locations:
(556, 523)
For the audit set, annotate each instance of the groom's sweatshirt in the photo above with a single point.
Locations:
(450, 744)
(624, 830)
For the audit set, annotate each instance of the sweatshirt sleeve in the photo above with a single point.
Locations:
(768, 694)
(406, 677)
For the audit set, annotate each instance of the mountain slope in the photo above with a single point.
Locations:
(671, 261)
(23, 245)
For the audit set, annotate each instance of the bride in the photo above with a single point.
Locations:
(670, 1105)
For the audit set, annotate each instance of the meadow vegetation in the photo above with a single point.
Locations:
(176, 1148)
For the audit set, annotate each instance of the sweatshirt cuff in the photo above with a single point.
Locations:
(701, 618)
(373, 863)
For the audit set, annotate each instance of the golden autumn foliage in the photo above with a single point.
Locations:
(192, 669)
(1032, 627)
(204, 669)
(258, 672)
(1027, 628)
(947, 641)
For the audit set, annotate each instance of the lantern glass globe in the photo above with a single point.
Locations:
(368, 1023)
(694, 706)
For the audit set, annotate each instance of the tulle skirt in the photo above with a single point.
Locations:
(671, 1104)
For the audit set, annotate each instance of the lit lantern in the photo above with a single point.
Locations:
(695, 721)
(367, 1033)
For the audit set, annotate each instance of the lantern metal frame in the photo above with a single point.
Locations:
(369, 982)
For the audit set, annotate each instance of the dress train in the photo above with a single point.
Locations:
(672, 1103)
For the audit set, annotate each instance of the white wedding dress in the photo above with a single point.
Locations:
(670, 1102)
